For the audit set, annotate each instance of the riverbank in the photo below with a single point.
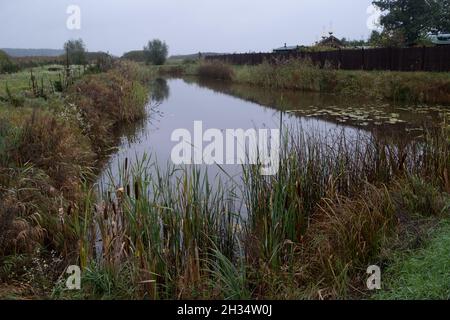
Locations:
(54, 131)
(422, 273)
(412, 87)
(309, 232)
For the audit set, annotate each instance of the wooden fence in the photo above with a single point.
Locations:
(395, 59)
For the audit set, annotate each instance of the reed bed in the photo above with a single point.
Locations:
(216, 71)
(412, 87)
(165, 227)
(308, 232)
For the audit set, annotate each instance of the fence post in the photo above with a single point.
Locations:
(423, 58)
(400, 60)
(363, 59)
(390, 58)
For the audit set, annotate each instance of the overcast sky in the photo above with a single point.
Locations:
(188, 26)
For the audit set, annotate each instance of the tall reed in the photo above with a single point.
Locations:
(326, 214)
(168, 225)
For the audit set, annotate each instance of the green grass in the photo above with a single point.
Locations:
(426, 87)
(398, 86)
(421, 274)
(20, 81)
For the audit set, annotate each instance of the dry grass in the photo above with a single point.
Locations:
(55, 146)
(215, 70)
(106, 100)
(310, 231)
(303, 75)
(46, 156)
(345, 236)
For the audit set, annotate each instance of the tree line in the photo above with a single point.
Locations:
(410, 22)
(155, 52)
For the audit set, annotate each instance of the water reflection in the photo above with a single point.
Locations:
(385, 119)
(160, 91)
(176, 104)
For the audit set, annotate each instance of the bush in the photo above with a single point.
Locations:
(171, 71)
(348, 234)
(136, 56)
(6, 65)
(107, 100)
(55, 146)
(304, 75)
(215, 70)
(419, 198)
(156, 52)
(76, 52)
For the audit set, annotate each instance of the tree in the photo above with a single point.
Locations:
(137, 56)
(354, 43)
(76, 52)
(441, 16)
(412, 20)
(386, 39)
(6, 65)
(156, 52)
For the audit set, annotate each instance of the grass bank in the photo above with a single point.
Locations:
(414, 87)
(422, 273)
(52, 137)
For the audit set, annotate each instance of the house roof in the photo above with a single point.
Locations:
(286, 48)
(331, 39)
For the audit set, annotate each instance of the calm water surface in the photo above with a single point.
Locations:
(177, 103)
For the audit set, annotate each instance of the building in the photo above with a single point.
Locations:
(331, 41)
(286, 49)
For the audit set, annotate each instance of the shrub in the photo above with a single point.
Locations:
(419, 198)
(107, 100)
(215, 70)
(76, 52)
(55, 146)
(347, 234)
(171, 71)
(304, 75)
(20, 229)
(156, 52)
(6, 65)
(136, 56)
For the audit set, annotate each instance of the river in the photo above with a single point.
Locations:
(178, 103)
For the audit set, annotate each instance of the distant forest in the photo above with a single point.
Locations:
(138, 55)
(33, 52)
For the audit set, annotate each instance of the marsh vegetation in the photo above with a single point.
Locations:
(342, 199)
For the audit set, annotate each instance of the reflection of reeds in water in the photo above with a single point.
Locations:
(326, 214)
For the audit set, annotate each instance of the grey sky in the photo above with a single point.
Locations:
(188, 26)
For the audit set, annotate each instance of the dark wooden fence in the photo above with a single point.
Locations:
(394, 59)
